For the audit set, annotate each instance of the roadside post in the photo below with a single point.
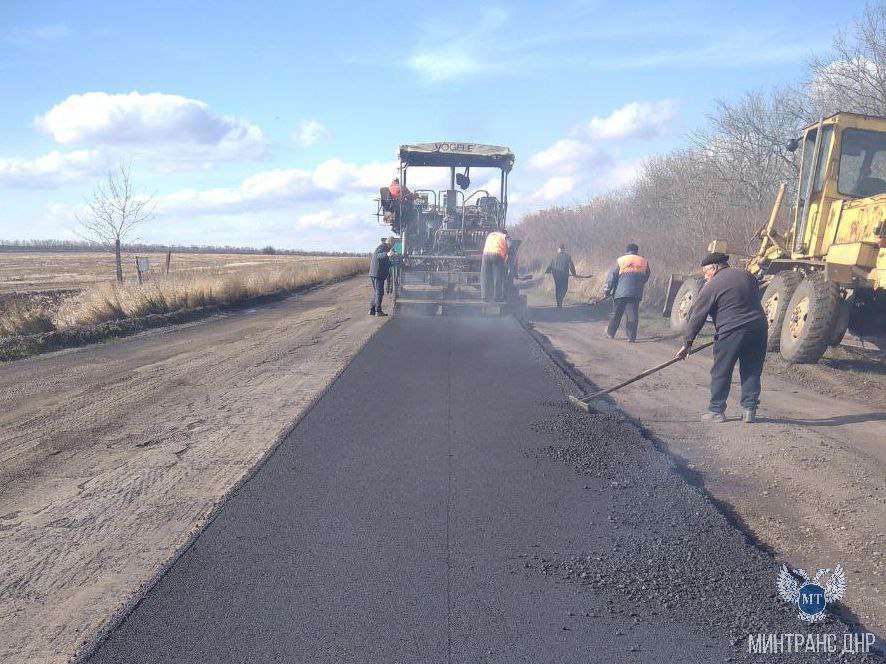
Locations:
(142, 265)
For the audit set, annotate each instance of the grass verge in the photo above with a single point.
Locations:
(114, 310)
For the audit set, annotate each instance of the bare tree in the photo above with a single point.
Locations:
(114, 211)
(854, 79)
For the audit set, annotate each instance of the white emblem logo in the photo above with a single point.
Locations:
(810, 596)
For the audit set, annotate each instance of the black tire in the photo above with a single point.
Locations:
(683, 301)
(841, 325)
(775, 302)
(810, 320)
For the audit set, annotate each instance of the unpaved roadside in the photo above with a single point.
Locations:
(808, 480)
(111, 456)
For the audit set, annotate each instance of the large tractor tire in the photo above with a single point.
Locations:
(810, 320)
(683, 301)
(841, 326)
(775, 302)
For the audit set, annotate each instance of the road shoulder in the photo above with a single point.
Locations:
(115, 456)
(808, 481)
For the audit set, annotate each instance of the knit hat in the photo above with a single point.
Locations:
(716, 258)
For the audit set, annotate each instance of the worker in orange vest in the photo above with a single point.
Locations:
(492, 266)
(625, 283)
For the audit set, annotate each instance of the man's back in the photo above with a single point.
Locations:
(380, 263)
(732, 298)
(562, 263)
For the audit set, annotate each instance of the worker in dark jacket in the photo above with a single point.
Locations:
(625, 283)
(731, 297)
(379, 268)
(560, 269)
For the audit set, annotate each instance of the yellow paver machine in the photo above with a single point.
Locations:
(827, 272)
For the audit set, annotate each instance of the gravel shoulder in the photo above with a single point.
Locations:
(808, 481)
(114, 455)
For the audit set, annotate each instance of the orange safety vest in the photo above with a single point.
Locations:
(496, 243)
(632, 264)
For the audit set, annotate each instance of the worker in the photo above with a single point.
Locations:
(560, 269)
(379, 268)
(397, 244)
(625, 283)
(731, 296)
(403, 207)
(397, 190)
(492, 266)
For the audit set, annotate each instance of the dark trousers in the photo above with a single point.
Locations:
(561, 285)
(492, 277)
(378, 292)
(629, 307)
(747, 346)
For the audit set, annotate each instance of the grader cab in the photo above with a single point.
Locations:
(826, 273)
(443, 228)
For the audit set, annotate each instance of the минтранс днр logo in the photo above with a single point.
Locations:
(811, 595)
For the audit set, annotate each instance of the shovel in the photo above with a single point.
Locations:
(585, 403)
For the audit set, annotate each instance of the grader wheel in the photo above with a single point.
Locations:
(775, 303)
(683, 301)
(809, 320)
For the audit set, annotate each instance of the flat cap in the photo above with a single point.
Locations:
(715, 259)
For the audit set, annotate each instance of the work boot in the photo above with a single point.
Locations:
(711, 416)
(380, 313)
(372, 312)
(609, 336)
(749, 415)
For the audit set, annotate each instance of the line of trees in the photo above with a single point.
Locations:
(723, 182)
(142, 248)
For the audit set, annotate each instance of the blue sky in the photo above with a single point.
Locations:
(275, 123)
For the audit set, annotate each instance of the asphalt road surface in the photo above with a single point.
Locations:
(442, 503)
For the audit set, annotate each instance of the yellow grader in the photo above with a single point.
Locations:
(827, 272)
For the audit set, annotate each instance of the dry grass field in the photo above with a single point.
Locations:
(42, 292)
(30, 271)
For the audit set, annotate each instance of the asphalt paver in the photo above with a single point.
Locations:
(442, 503)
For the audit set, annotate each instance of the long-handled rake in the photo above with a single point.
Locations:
(585, 402)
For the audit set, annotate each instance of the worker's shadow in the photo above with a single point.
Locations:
(827, 421)
(571, 313)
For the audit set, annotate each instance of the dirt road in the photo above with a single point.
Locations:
(808, 480)
(112, 455)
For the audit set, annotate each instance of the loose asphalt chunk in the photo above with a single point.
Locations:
(442, 503)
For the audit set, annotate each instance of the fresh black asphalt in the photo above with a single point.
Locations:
(441, 503)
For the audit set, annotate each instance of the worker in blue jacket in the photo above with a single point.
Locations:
(625, 283)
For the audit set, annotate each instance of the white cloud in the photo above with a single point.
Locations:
(332, 180)
(565, 154)
(635, 120)
(447, 63)
(164, 127)
(50, 170)
(327, 220)
(473, 51)
(555, 188)
(266, 190)
(338, 175)
(310, 132)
